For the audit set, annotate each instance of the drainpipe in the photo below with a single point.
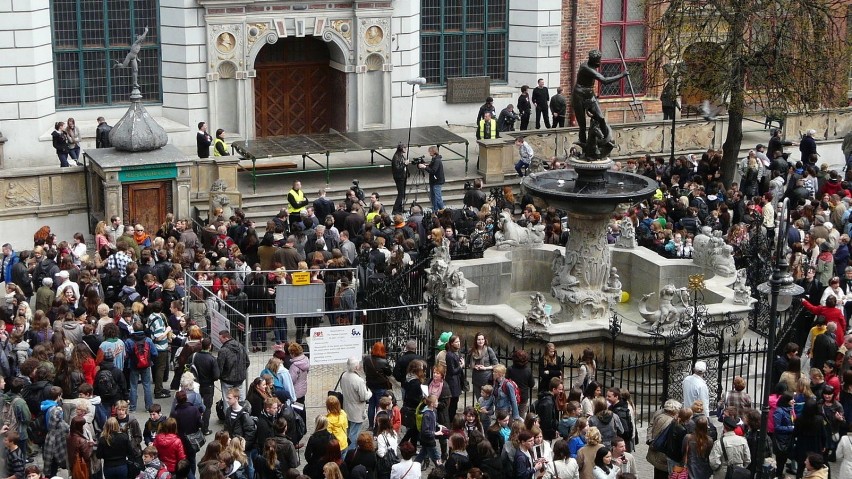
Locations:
(574, 7)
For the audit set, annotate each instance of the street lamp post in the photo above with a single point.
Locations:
(781, 289)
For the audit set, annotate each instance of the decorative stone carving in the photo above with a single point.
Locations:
(226, 42)
(255, 31)
(22, 193)
(343, 28)
(627, 238)
(645, 139)
(668, 311)
(742, 293)
(511, 234)
(613, 286)
(373, 32)
(694, 135)
(536, 165)
(436, 280)
(538, 314)
(220, 198)
(711, 252)
(456, 292)
(374, 35)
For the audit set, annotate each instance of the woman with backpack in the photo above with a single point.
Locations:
(607, 423)
(521, 374)
(387, 441)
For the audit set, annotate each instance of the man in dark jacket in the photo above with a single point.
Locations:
(808, 147)
(102, 134)
(45, 267)
(541, 98)
(436, 178)
(233, 364)
(524, 107)
(206, 370)
(548, 416)
(401, 367)
(620, 408)
(558, 107)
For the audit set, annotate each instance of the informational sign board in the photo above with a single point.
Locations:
(549, 37)
(336, 344)
(218, 322)
(300, 301)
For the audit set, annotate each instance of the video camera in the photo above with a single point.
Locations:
(357, 189)
(419, 160)
(468, 185)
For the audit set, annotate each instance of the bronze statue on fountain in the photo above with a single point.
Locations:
(597, 144)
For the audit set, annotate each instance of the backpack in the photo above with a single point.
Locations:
(418, 415)
(8, 415)
(105, 384)
(77, 379)
(659, 443)
(296, 429)
(623, 414)
(505, 388)
(163, 473)
(38, 428)
(142, 352)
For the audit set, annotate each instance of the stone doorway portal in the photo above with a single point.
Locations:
(296, 90)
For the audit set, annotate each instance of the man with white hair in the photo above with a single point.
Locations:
(694, 385)
(355, 397)
(808, 147)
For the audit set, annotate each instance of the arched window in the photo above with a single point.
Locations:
(89, 37)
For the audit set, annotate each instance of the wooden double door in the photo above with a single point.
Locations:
(296, 91)
(147, 203)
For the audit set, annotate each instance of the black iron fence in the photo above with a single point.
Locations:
(651, 377)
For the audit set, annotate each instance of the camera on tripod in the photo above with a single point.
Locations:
(468, 185)
(418, 160)
(359, 193)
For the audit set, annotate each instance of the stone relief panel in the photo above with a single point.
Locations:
(21, 192)
(698, 135)
(803, 123)
(842, 124)
(643, 139)
(343, 28)
(255, 32)
(374, 35)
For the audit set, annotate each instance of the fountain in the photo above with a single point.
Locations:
(589, 194)
(505, 292)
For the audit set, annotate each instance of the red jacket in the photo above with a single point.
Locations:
(169, 449)
(832, 315)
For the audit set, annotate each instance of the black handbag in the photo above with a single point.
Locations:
(334, 392)
(196, 440)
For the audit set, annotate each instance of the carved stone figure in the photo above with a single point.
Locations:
(511, 234)
(585, 103)
(723, 261)
(538, 314)
(456, 293)
(536, 165)
(742, 293)
(436, 281)
(667, 312)
(219, 185)
(613, 286)
(627, 239)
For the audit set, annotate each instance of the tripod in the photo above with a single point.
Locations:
(416, 185)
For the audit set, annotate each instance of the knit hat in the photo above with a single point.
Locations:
(443, 340)
(731, 422)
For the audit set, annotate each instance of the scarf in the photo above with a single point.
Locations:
(140, 237)
(435, 388)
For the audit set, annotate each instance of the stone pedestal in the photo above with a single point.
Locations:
(115, 175)
(493, 154)
(205, 171)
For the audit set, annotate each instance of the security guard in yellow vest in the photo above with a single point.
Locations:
(220, 148)
(487, 128)
(296, 203)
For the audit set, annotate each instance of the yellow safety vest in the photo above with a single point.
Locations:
(300, 197)
(225, 147)
(493, 135)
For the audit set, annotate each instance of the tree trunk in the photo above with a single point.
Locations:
(732, 144)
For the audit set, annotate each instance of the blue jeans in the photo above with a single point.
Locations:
(520, 165)
(250, 466)
(352, 434)
(280, 329)
(116, 472)
(63, 159)
(435, 197)
(145, 374)
(74, 152)
(428, 452)
(373, 404)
